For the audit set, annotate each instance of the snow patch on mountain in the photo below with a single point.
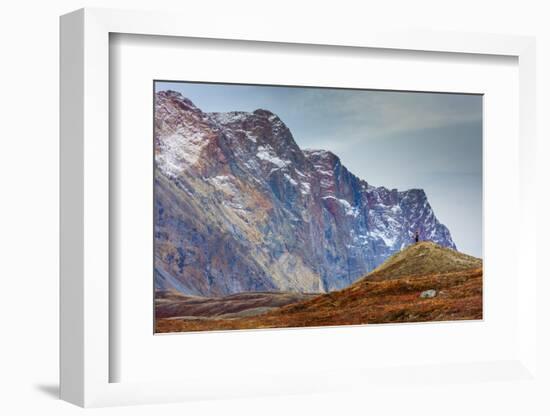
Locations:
(230, 117)
(180, 150)
(223, 183)
(289, 179)
(349, 210)
(266, 153)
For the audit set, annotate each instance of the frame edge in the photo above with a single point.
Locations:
(71, 202)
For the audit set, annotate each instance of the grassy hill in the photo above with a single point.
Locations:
(424, 282)
(422, 259)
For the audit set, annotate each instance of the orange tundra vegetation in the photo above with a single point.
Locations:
(424, 282)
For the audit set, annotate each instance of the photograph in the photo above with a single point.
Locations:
(228, 208)
(304, 206)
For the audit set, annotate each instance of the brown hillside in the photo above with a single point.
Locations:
(422, 259)
(391, 293)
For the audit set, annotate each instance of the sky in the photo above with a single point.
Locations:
(394, 139)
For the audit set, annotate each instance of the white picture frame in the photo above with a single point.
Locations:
(85, 182)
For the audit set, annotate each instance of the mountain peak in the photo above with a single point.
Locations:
(171, 93)
(415, 193)
(230, 117)
(264, 113)
(176, 97)
(319, 153)
(322, 159)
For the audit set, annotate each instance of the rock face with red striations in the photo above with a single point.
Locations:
(239, 207)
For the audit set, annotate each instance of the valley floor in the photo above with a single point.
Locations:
(410, 298)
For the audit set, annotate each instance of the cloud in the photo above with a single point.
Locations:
(384, 113)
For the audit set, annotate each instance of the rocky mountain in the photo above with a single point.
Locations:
(239, 207)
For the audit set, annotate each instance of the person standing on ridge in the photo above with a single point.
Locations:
(416, 236)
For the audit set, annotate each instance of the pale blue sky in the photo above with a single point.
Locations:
(399, 140)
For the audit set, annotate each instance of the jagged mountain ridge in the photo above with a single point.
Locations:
(240, 207)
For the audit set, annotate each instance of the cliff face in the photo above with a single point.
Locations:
(240, 207)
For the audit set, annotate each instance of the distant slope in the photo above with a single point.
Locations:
(391, 293)
(170, 304)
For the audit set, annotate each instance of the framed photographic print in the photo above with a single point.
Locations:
(282, 213)
(268, 217)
